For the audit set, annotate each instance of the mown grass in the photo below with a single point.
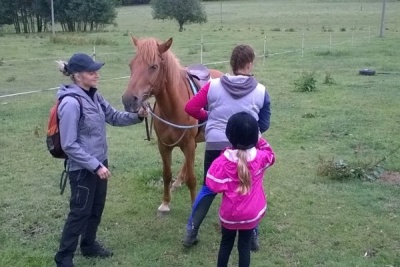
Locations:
(312, 221)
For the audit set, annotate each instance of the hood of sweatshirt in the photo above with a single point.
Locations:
(70, 89)
(76, 90)
(238, 86)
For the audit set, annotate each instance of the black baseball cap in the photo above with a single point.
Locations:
(81, 62)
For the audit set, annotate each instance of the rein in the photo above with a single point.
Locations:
(173, 124)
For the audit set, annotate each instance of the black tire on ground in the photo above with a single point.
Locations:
(367, 72)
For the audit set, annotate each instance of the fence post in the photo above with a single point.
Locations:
(265, 49)
(302, 46)
(201, 50)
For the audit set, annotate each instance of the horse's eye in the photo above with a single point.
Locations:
(154, 67)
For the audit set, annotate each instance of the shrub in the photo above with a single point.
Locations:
(341, 170)
(78, 40)
(329, 79)
(308, 115)
(306, 82)
(290, 30)
(11, 79)
(327, 29)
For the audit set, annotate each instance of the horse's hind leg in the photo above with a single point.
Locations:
(190, 178)
(166, 155)
(180, 178)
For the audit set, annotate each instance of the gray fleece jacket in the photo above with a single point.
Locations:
(83, 136)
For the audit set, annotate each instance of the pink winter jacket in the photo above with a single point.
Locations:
(239, 211)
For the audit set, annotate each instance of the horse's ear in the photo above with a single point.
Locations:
(134, 40)
(165, 46)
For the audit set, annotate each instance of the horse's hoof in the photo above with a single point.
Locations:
(163, 210)
(161, 214)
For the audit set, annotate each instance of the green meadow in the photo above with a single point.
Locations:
(312, 220)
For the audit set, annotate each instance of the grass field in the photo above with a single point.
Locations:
(312, 220)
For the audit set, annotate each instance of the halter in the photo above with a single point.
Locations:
(148, 107)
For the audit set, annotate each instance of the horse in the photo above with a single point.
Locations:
(156, 71)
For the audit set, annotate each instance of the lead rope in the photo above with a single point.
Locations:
(172, 124)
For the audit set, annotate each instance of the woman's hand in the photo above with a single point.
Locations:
(103, 173)
(143, 112)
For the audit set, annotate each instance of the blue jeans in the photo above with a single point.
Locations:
(205, 197)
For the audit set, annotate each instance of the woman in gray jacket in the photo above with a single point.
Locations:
(83, 138)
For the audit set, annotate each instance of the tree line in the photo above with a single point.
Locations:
(141, 2)
(29, 16)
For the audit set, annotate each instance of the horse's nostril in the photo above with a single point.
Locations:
(135, 98)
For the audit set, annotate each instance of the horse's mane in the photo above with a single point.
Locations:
(147, 50)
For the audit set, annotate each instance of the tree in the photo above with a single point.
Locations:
(184, 11)
(6, 12)
(78, 15)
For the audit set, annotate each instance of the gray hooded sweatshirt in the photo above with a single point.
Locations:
(83, 136)
(229, 95)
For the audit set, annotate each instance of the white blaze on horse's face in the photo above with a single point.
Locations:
(145, 69)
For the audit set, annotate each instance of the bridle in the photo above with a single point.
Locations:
(149, 109)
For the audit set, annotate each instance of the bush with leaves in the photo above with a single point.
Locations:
(341, 170)
(306, 82)
(329, 79)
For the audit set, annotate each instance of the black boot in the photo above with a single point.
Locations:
(255, 245)
(96, 250)
(65, 262)
(190, 238)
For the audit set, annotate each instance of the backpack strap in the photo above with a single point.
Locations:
(65, 172)
(78, 98)
(64, 177)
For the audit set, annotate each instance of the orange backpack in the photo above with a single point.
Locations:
(53, 140)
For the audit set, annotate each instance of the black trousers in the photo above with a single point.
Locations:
(209, 157)
(226, 245)
(88, 196)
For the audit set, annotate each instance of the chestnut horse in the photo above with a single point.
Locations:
(156, 71)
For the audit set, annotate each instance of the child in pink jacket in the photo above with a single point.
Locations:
(238, 174)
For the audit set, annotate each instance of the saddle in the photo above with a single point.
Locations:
(198, 76)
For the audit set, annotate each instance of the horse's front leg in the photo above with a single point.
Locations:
(166, 155)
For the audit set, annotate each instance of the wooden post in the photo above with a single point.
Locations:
(265, 49)
(382, 18)
(201, 50)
